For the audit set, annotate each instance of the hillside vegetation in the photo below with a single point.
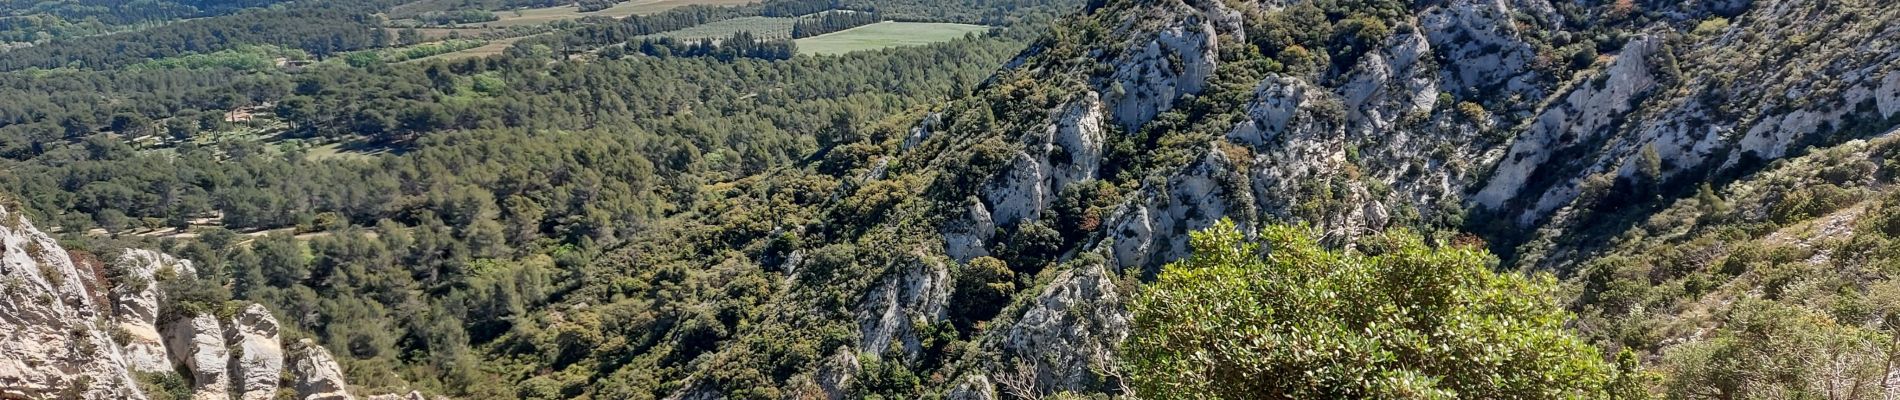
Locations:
(1107, 199)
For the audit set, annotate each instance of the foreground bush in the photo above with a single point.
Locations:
(1396, 320)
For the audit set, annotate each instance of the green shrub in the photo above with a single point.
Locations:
(1306, 322)
(983, 287)
(1775, 350)
(1809, 202)
(1710, 27)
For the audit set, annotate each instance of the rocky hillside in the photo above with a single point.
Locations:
(1556, 121)
(134, 326)
(986, 248)
(1708, 179)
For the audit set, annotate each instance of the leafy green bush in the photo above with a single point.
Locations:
(1811, 201)
(1774, 350)
(1306, 322)
(983, 287)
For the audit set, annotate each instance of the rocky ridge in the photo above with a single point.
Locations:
(1455, 118)
(79, 329)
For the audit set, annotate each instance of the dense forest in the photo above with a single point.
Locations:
(412, 213)
(742, 44)
(833, 22)
(321, 28)
(111, 12)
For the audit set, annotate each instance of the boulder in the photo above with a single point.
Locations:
(315, 374)
(197, 344)
(259, 361)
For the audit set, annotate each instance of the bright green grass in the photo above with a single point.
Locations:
(884, 35)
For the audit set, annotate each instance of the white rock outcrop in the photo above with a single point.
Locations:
(967, 234)
(137, 299)
(1153, 231)
(259, 359)
(318, 377)
(1071, 330)
(917, 291)
(1068, 151)
(1584, 116)
(53, 336)
(973, 387)
(197, 344)
(78, 330)
(1150, 77)
(1485, 44)
(412, 395)
(835, 375)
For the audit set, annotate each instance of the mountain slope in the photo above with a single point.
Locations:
(987, 247)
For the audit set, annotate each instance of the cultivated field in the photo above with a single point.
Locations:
(537, 16)
(884, 35)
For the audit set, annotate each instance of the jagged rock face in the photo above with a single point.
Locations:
(834, 377)
(54, 342)
(318, 377)
(916, 292)
(1295, 132)
(1169, 60)
(1482, 38)
(413, 395)
(1390, 84)
(973, 387)
(1587, 114)
(1148, 79)
(1740, 98)
(1154, 231)
(197, 344)
(1069, 151)
(695, 391)
(256, 368)
(1070, 332)
(1390, 141)
(136, 303)
(966, 236)
(58, 341)
(923, 130)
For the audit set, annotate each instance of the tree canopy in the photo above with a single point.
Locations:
(1394, 319)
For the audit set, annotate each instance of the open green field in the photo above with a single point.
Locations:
(537, 16)
(884, 35)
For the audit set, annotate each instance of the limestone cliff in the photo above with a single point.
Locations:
(80, 328)
(56, 342)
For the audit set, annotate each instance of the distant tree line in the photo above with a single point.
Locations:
(456, 17)
(742, 44)
(794, 8)
(832, 22)
(320, 28)
(121, 12)
(36, 28)
(595, 5)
